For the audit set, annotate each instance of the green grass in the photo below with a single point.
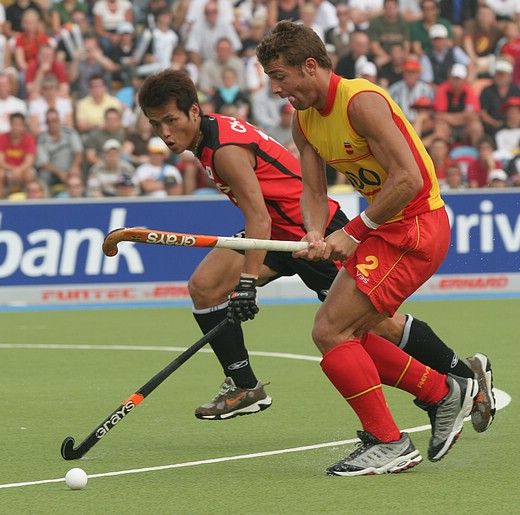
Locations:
(48, 394)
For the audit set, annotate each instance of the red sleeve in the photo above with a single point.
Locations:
(440, 102)
(30, 73)
(29, 144)
(59, 70)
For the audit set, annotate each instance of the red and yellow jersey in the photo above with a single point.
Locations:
(277, 170)
(332, 136)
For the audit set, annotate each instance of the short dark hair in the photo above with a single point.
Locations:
(296, 43)
(166, 86)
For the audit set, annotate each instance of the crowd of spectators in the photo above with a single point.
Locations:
(70, 70)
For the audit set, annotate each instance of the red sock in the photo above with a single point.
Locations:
(400, 370)
(350, 369)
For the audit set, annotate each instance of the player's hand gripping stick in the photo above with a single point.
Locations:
(242, 302)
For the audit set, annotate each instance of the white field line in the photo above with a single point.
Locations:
(502, 398)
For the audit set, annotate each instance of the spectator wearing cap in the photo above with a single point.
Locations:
(95, 139)
(480, 40)
(419, 30)
(494, 96)
(368, 71)
(386, 30)
(478, 170)
(125, 186)
(283, 132)
(437, 62)
(497, 178)
(102, 176)
(108, 16)
(153, 176)
(410, 88)
(508, 137)
(457, 108)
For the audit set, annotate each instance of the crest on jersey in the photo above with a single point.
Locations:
(348, 147)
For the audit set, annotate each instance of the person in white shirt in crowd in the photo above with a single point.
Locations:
(49, 98)
(308, 18)
(9, 104)
(325, 14)
(507, 139)
(339, 36)
(210, 75)
(154, 177)
(364, 11)
(191, 12)
(206, 31)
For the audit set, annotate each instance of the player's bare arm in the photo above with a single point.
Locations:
(314, 201)
(235, 164)
(370, 115)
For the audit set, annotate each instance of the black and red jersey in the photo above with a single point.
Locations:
(277, 170)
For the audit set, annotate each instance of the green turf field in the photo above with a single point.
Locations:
(161, 459)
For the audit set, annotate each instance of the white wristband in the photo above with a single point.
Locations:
(369, 223)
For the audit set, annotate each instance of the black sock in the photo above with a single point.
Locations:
(229, 347)
(423, 344)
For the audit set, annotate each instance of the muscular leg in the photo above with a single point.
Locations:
(420, 341)
(209, 287)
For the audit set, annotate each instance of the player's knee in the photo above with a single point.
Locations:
(204, 293)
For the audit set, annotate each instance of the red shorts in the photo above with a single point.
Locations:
(398, 258)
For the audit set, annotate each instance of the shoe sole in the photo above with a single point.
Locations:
(485, 380)
(467, 405)
(247, 410)
(400, 464)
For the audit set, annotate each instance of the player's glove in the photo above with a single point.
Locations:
(242, 301)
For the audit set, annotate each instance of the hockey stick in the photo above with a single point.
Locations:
(67, 447)
(194, 240)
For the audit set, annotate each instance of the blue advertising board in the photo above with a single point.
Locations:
(50, 251)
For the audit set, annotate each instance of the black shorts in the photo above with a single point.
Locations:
(317, 275)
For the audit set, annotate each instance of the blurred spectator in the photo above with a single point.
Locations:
(493, 97)
(510, 46)
(74, 188)
(410, 10)
(410, 89)
(206, 31)
(157, 44)
(505, 10)
(339, 36)
(257, 29)
(62, 12)
(108, 16)
(437, 62)
(90, 110)
(246, 13)
(27, 44)
(497, 179)
(480, 40)
(364, 11)
(308, 18)
(230, 94)
(6, 61)
(9, 103)
(419, 30)
(135, 145)
(325, 15)
(386, 30)
(194, 176)
(454, 178)
(368, 71)
(59, 153)
(181, 61)
(194, 12)
(153, 176)
(14, 14)
(125, 186)
(153, 8)
(102, 176)
(457, 108)
(89, 62)
(392, 71)
(508, 137)
(211, 70)
(478, 171)
(439, 151)
(49, 99)
(34, 189)
(513, 170)
(17, 156)
(46, 65)
(112, 129)
(359, 51)
(278, 10)
(70, 39)
(424, 122)
(283, 132)
(460, 13)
